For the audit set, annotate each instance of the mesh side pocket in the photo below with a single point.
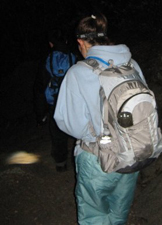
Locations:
(141, 140)
(107, 158)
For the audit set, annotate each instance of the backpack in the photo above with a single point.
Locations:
(130, 137)
(57, 65)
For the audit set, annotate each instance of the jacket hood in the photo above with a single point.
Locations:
(118, 53)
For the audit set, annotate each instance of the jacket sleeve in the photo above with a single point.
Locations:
(71, 113)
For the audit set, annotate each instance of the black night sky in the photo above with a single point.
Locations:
(25, 23)
(24, 28)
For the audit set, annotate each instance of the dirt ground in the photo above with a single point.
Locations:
(36, 194)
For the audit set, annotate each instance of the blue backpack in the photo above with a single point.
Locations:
(57, 65)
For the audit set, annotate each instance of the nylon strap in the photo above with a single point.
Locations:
(98, 68)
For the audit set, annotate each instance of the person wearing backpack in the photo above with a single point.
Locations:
(58, 61)
(102, 198)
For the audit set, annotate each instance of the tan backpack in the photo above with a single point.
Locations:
(130, 137)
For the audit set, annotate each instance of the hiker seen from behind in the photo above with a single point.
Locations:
(104, 194)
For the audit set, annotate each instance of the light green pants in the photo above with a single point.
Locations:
(102, 198)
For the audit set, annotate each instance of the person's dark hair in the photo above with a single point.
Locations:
(93, 29)
(57, 36)
(59, 39)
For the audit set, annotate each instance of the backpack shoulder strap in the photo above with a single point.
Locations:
(92, 63)
(51, 63)
(98, 68)
(70, 59)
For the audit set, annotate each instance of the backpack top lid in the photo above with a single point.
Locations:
(58, 63)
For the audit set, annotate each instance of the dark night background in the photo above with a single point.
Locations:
(24, 28)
